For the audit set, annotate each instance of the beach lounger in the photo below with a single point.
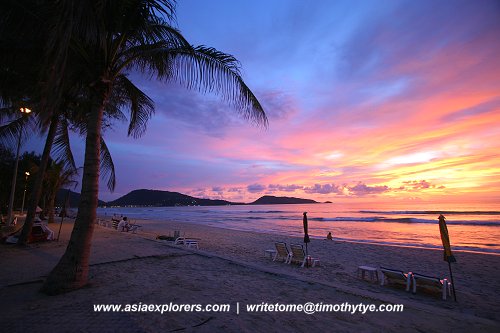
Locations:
(103, 222)
(299, 256)
(133, 228)
(395, 277)
(179, 241)
(282, 252)
(442, 285)
(188, 242)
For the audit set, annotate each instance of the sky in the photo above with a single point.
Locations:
(366, 100)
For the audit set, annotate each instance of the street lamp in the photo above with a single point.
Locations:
(25, 185)
(25, 112)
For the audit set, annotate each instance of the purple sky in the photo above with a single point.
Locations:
(366, 100)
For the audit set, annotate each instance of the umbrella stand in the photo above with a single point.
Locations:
(452, 282)
(306, 236)
(60, 226)
(307, 255)
(63, 212)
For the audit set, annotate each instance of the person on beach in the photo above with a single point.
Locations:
(329, 236)
(123, 225)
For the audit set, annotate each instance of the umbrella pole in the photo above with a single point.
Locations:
(307, 254)
(60, 226)
(452, 282)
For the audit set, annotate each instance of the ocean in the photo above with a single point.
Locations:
(475, 228)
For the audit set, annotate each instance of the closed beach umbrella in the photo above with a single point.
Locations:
(448, 256)
(445, 238)
(306, 233)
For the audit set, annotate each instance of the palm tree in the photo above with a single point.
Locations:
(24, 80)
(28, 75)
(57, 176)
(113, 38)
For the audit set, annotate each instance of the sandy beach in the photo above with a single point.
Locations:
(232, 267)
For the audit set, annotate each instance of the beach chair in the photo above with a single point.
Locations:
(395, 277)
(282, 252)
(188, 242)
(435, 283)
(299, 256)
(179, 241)
(132, 227)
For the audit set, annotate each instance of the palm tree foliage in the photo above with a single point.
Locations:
(56, 176)
(103, 41)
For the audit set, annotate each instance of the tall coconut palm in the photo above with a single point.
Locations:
(28, 71)
(113, 38)
(24, 69)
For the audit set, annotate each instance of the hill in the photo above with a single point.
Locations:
(272, 200)
(158, 198)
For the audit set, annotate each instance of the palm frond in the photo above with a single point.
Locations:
(107, 166)
(24, 126)
(61, 146)
(141, 106)
(208, 70)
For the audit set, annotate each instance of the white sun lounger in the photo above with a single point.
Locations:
(282, 252)
(299, 256)
(396, 277)
(190, 243)
(443, 285)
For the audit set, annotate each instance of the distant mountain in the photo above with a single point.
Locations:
(74, 198)
(164, 198)
(272, 200)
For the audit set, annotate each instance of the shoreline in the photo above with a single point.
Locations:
(365, 241)
(232, 266)
(346, 223)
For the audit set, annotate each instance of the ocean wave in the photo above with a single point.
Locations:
(265, 211)
(429, 212)
(404, 220)
(374, 219)
(474, 249)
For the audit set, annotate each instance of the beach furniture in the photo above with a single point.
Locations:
(134, 227)
(103, 222)
(271, 253)
(188, 242)
(282, 252)
(395, 277)
(372, 272)
(425, 281)
(299, 256)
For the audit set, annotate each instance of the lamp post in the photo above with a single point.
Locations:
(26, 175)
(25, 112)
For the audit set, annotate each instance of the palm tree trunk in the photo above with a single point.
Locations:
(37, 189)
(50, 207)
(72, 270)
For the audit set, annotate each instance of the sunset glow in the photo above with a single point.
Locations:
(366, 101)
